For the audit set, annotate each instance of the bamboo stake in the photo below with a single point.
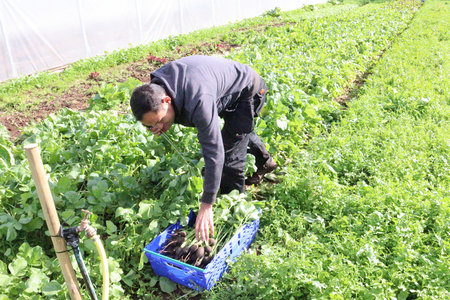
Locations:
(51, 217)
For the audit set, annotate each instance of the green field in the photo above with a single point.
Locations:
(357, 118)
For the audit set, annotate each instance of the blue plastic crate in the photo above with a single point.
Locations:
(193, 277)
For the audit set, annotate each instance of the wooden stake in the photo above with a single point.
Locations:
(51, 217)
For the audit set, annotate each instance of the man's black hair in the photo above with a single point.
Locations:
(146, 98)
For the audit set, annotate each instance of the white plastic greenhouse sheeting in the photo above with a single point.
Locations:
(41, 35)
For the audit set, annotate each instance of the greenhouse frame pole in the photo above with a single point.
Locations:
(138, 15)
(52, 219)
(8, 48)
(83, 29)
(181, 16)
(213, 13)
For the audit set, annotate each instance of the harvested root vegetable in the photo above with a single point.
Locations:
(168, 249)
(184, 246)
(206, 261)
(179, 241)
(176, 241)
(179, 234)
(193, 248)
(178, 251)
(200, 252)
(192, 258)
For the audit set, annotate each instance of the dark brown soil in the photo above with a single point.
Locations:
(351, 91)
(14, 122)
(76, 98)
(354, 89)
(78, 95)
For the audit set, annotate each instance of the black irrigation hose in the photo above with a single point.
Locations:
(72, 239)
(84, 273)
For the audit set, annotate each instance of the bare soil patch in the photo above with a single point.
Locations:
(78, 95)
(17, 120)
(76, 98)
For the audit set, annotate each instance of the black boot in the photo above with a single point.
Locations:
(258, 176)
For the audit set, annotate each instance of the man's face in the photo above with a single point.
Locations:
(161, 121)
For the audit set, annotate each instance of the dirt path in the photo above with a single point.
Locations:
(76, 98)
(79, 94)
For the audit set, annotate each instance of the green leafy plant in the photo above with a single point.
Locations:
(112, 95)
(274, 13)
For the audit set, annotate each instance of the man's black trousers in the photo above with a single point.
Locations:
(239, 137)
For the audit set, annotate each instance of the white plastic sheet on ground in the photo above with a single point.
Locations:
(41, 35)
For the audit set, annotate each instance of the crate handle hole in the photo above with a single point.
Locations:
(172, 265)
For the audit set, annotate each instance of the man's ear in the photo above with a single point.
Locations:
(166, 99)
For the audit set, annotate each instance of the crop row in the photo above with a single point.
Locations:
(309, 64)
(363, 213)
(136, 184)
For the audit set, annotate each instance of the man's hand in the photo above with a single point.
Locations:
(205, 222)
(157, 130)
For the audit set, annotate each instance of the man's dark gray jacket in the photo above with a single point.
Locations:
(202, 89)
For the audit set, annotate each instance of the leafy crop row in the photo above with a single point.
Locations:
(110, 164)
(308, 64)
(363, 213)
(136, 184)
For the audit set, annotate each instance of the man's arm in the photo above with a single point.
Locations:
(206, 120)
